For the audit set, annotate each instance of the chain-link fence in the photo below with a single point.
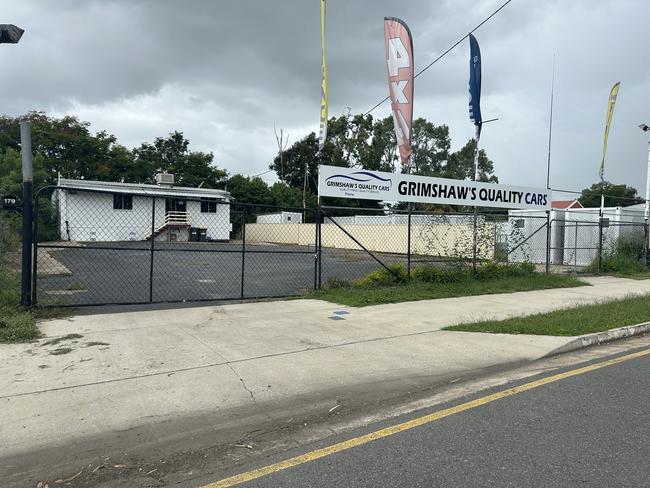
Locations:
(101, 247)
(115, 248)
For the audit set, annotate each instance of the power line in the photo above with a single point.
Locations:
(448, 50)
(260, 174)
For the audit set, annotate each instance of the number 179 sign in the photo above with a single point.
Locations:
(399, 61)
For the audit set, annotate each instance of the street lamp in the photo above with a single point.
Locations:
(10, 34)
(645, 128)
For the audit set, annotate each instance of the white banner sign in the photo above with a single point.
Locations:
(334, 181)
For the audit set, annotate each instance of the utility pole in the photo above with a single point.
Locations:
(26, 152)
(11, 34)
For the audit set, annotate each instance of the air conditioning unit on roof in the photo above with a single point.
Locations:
(164, 178)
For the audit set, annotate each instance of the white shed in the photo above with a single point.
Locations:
(280, 218)
(574, 233)
(107, 211)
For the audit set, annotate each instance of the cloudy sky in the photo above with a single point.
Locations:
(224, 72)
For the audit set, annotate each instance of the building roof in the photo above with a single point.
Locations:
(566, 204)
(142, 189)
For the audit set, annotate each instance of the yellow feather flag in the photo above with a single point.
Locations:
(610, 111)
(324, 89)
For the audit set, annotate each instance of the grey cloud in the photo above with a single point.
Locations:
(225, 72)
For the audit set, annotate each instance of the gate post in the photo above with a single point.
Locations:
(548, 241)
(645, 243)
(408, 246)
(34, 277)
(243, 251)
(600, 244)
(315, 249)
(319, 245)
(153, 239)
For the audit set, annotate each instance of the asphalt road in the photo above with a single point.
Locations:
(193, 271)
(591, 430)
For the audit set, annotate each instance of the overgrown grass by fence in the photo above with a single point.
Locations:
(392, 285)
(624, 257)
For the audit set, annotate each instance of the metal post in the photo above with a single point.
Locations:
(243, 251)
(408, 246)
(34, 276)
(645, 246)
(315, 255)
(26, 152)
(475, 237)
(319, 218)
(153, 240)
(647, 193)
(548, 241)
(575, 250)
(600, 244)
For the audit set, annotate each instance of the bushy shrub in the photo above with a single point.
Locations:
(394, 275)
(435, 274)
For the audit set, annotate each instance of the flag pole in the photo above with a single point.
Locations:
(474, 229)
(548, 172)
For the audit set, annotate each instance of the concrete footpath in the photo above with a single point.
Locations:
(129, 372)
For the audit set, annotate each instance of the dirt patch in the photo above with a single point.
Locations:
(97, 343)
(61, 350)
(58, 340)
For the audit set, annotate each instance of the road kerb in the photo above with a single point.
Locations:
(603, 337)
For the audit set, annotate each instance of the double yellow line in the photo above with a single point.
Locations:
(426, 419)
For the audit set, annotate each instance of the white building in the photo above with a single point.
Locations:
(107, 211)
(280, 218)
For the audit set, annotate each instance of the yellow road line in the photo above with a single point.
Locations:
(432, 417)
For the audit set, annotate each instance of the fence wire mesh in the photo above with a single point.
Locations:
(97, 247)
(103, 248)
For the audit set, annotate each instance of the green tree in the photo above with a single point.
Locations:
(248, 190)
(461, 164)
(283, 195)
(430, 145)
(615, 195)
(66, 146)
(171, 154)
(363, 142)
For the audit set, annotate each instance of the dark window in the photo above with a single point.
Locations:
(208, 205)
(122, 202)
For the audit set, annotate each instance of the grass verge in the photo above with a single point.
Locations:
(17, 324)
(422, 290)
(574, 321)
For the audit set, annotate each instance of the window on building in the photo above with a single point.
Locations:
(122, 202)
(208, 205)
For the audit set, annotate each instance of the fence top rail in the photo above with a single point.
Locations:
(391, 211)
(231, 203)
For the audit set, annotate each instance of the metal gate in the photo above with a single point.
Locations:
(97, 247)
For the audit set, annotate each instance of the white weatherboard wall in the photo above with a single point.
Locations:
(217, 224)
(90, 216)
